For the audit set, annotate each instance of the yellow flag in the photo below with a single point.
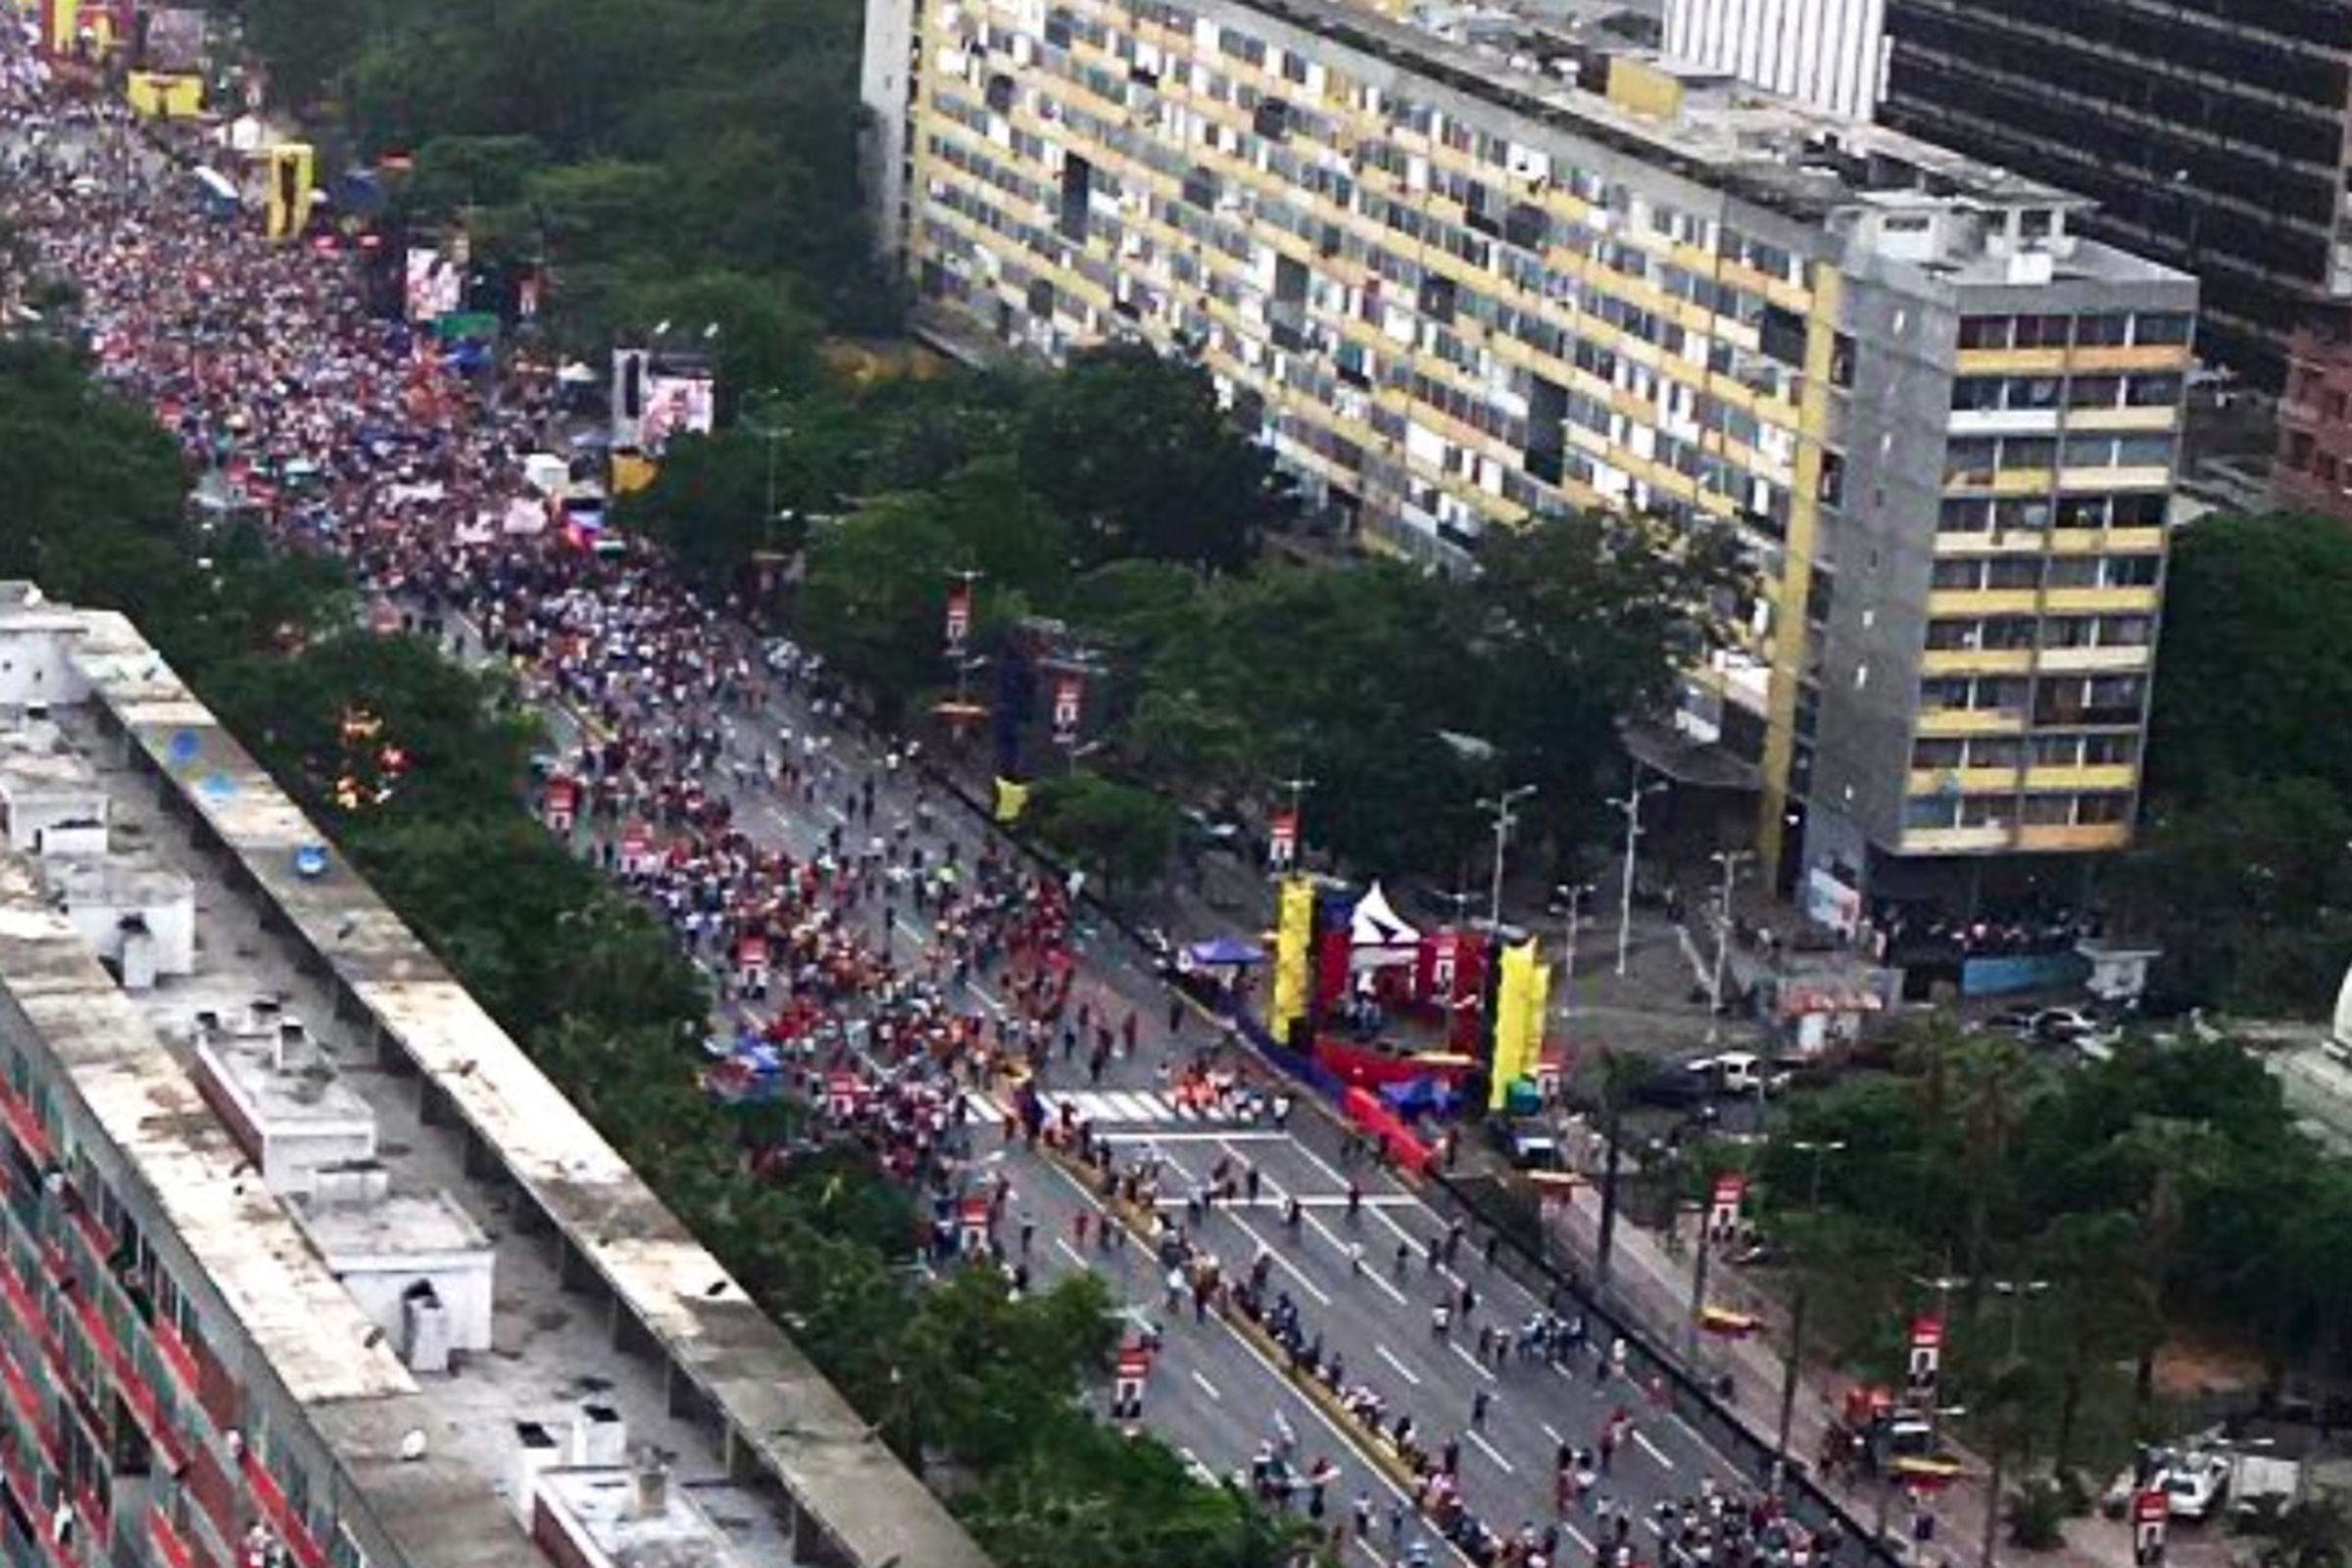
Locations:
(1294, 937)
(1011, 799)
(289, 212)
(1522, 1001)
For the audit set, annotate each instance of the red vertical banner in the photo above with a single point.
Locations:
(1069, 697)
(959, 615)
(1925, 1366)
(1281, 840)
(1729, 1195)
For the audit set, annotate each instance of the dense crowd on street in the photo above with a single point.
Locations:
(881, 973)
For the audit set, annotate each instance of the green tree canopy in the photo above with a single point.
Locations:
(1133, 448)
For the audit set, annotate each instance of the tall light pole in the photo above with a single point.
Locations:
(1297, 785)
(1631, 805)
(2016, 1292)
(1817, 1148)
(1729, 860)
(772, 432)
(1575, 893)
(1505, 808)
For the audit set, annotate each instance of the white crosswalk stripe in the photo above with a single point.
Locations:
(1124, 1107)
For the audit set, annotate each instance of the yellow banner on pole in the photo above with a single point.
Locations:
(1011, 799)
(1293, 957)
(1522, 1001)
(289, 212)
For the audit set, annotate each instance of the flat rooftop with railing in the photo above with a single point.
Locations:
(435, 1251)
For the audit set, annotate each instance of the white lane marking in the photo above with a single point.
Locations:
(1641, 1441)
(1208, 1387)
(1403, 1371)
(1479, 1441)
(981, 996)
(1476, 1365)
(1322, 1297)
(1579, 1536)
(837, 813)
(1552, 1432)
(1070, 1252)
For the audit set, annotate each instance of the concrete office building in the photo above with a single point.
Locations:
(1452, 294)
(303, 1264)
(1830, 54)
(2210, 132)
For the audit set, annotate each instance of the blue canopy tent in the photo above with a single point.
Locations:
(1230, 953)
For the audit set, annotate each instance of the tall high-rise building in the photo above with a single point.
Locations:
(1830, 54)
(1452, 294)
(2210, 132)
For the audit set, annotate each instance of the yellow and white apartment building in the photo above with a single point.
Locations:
(1451, 291)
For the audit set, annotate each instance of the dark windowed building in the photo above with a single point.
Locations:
(2210, 132)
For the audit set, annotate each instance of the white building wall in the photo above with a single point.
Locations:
(462, 1281)
(172, 922)
(1829, 53)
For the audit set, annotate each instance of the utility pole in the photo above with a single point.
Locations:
(2016, 1292)
(1816, 1147)
(1630, 805)
(1575, 893)
(1698, 1290)
(1729, 860)
(1506, 816)
(967, 578)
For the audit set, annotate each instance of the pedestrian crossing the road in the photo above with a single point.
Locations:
(1113, 1107)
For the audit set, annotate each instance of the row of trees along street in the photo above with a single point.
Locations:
(1114, 498)
(981, 1391)
(2160, 1201)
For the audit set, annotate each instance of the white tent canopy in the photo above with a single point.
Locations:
(1376, 936)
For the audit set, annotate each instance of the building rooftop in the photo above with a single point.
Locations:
(472, 1147)
(1707, 127)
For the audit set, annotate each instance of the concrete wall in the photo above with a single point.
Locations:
(885, 80)
(171, 921)
(462, 1281)
(32, 813)
(35, 662)
(1880, 545)
(1830, 53)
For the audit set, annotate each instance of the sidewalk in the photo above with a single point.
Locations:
(1651, 1288)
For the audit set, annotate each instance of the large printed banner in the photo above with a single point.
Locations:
(1521, 1004)
(434, 284)
(1294, 935)
(156, 95)
(174, 39)
(676, 405)
(288, 210)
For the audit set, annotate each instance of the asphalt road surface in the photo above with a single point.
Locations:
(1213, 1394)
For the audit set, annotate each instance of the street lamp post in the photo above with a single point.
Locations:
(1817, 1148)
(772, 434)
(1506, 815)
(1297, 785)
(1631, 805)
(1729, 860)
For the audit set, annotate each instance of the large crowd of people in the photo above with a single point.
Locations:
(883, 971)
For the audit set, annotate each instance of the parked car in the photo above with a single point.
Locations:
(2017, 1021)
(2194, 1482)
(1739, 1072)
(2063, 1026)
(1672, 1089)
(1526, 1142)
